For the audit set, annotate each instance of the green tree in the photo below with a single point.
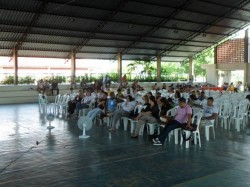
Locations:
(203, 58)
(144, 65)
(206, 57)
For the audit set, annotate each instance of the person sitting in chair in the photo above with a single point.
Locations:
(101, 105)
(85, 102)
(210, 112)
(110, 107)
(149, 116)
(54, 86)
(126, 108)
(183, 115)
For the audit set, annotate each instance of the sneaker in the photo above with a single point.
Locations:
(155, 140)
(157, 143)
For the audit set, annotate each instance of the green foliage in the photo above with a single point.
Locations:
(59, 79)
(203, 58)
(113, 77)
(144, 66)
(85, 77)
(26, 80)
(8, 80)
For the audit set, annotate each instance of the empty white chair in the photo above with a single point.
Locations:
(238, 116)
(63, 104)
(209, 124)
(224, 114)
(55, 105)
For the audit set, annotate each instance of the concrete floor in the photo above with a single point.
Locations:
(32, 156)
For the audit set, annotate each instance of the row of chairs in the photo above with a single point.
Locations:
(60, 106)
(229, 113)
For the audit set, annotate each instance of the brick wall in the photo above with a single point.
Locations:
(231, 52)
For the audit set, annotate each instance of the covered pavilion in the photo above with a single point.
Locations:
(169, 31)
(160, 30)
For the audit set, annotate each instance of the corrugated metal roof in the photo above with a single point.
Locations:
(138, 29)
(42, 54)
(107, 50)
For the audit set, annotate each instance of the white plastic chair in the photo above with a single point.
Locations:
(238, 116)
(171, 113)
(55, 105)
(63, 104)
(196, 119)
(132, 121)
(209, 124)
(224, 114)
(83, 112)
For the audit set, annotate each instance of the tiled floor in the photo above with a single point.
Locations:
(32, 156)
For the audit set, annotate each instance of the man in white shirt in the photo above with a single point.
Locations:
(124, 111)
(84, 103)
(210, 112)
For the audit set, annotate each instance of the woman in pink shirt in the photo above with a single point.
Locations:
(183, 115)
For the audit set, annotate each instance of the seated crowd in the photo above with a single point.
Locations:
(45, 87)
(153, 107)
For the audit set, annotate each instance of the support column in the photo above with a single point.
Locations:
(73, 69)
(216, 82)
(246, 60)
(15, 60)
(158, 68)
(191, 68)
(119, 67)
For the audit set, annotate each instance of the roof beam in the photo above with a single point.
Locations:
(239, 4)
(108, 53)
(98, 38)
(104, 21)
(224, 5)
(29, 26)
(74, 4)
(155, 28)
(195, 11)
(107, 33)
(101, 24)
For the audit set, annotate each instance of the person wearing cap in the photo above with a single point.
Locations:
(183, 115)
